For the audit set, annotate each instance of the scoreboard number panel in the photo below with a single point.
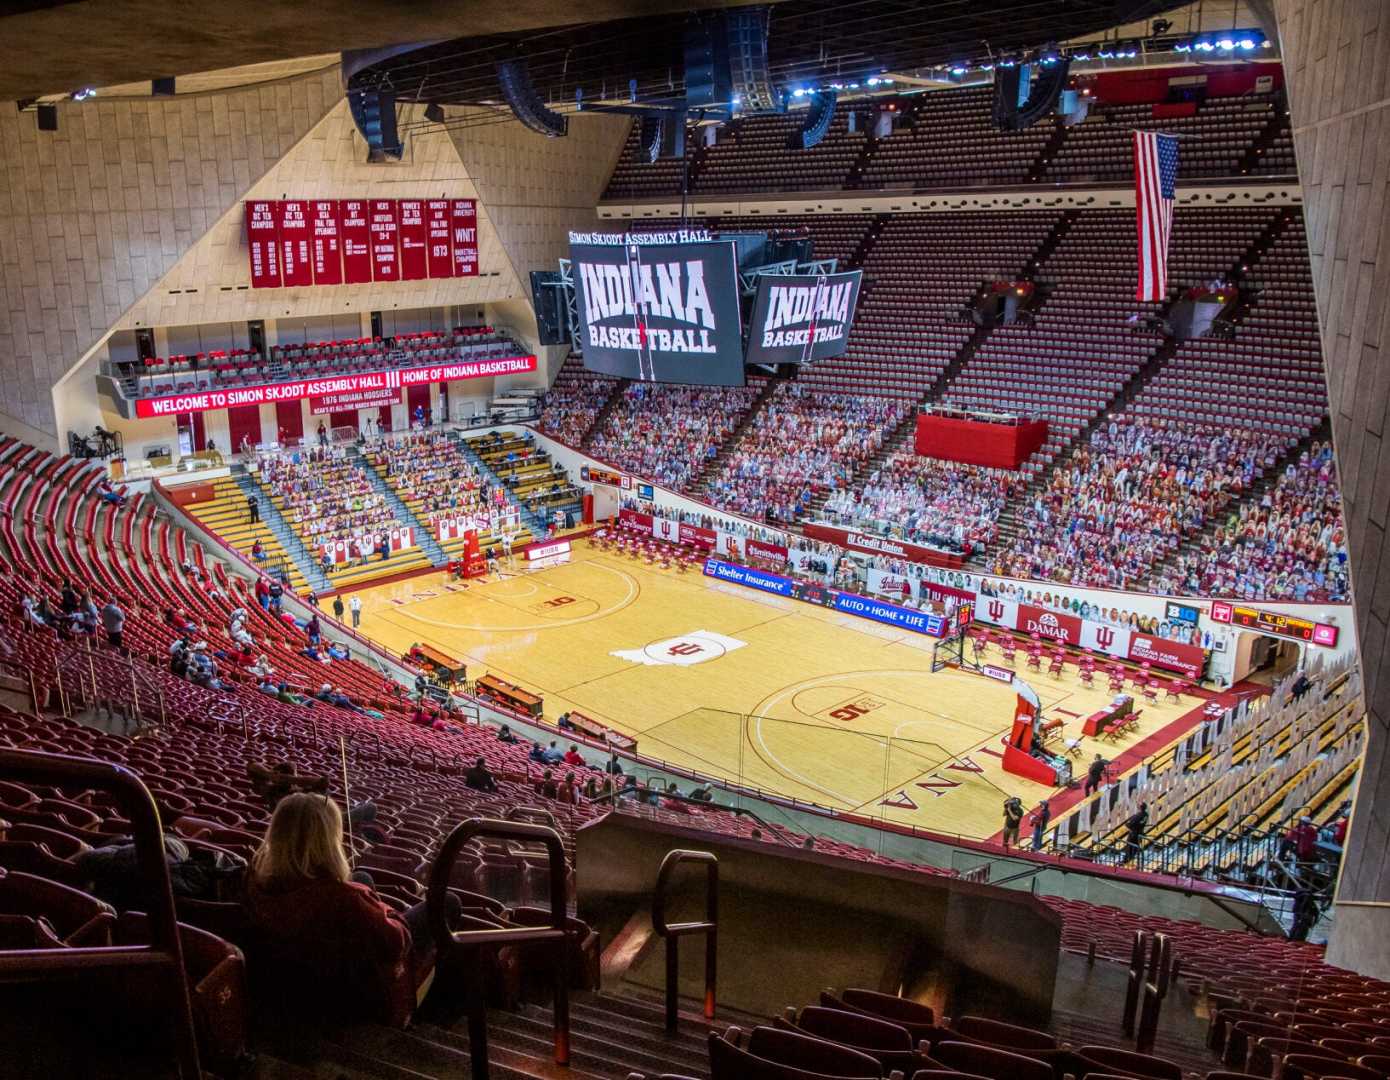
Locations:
(1275, 622)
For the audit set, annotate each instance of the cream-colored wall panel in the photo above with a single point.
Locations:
(92, 215)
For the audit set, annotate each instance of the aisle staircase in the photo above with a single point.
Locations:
(423, 536)
(534, 522)
(288, 539)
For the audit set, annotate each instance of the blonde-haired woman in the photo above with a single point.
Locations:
(325, 942)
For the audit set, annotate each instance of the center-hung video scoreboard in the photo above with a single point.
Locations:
(669, 307)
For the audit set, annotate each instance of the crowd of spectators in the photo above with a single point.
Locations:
(947, 504)
(570, 406)
(428, 466)
(667, 433)
(1125, 501)
(801, 443)
(324, 496)
(1291, 546)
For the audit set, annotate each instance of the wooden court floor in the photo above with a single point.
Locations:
(778, 694)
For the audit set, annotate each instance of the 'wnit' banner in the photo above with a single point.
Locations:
(802, 318)
(660, 312)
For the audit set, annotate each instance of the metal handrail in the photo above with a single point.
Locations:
(451, 942)
(165, 952)
(673, 932)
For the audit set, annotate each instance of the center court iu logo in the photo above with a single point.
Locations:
(696, 647)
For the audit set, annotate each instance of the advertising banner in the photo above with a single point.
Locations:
(1049, 624)
(385, 222)
(658, 312)
(764, 550)
(296, 265)
(921, 622)
(897, 586)
(441, 251)
(297, 390)
(414, 240)
(635, 519)
(463, 216)
(262, 240)
(1187, 660)
(869, 544)
(743, 575)
(800, 318)
(327, 242)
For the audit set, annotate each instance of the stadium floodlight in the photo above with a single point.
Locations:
(519, 92)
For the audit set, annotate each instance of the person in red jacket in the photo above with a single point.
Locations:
(323, 939)
(573, 756)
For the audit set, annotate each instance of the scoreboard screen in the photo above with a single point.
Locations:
(1274, 622)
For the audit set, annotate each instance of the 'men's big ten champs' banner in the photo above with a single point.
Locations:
(1101, 637)
(659, 307)
(298, 242)
(797, 319)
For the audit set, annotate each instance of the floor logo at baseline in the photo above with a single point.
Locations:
(694, 648)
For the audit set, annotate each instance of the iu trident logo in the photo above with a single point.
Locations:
(685, 648)
(996, 610)
(1105, 637)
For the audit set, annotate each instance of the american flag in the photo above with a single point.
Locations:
(1155, 176)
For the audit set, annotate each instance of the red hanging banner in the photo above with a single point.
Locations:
(357, 241)
(441, 254)
(262, 238)
(386, 230)
(464, 215)
(414, 240)
(292, 218)
(327, 246)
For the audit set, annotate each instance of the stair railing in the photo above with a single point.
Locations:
(467, 944)
(164, 954)
(673, 932)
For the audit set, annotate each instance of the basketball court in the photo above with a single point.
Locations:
(773, 692)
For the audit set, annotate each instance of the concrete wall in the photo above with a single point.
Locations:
(92, 215)
(1337, 57)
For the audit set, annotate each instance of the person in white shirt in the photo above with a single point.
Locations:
(355, 606)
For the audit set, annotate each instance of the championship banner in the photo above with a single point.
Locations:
(463, 218)
(366, 398)
(414, 240)
(659, 312)
(327, 242)
(356, 231)
(797, 319)
(897, 586)
(386, 239)
(262, 240)
(297, 390)
(441, 250)
(296, 266)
